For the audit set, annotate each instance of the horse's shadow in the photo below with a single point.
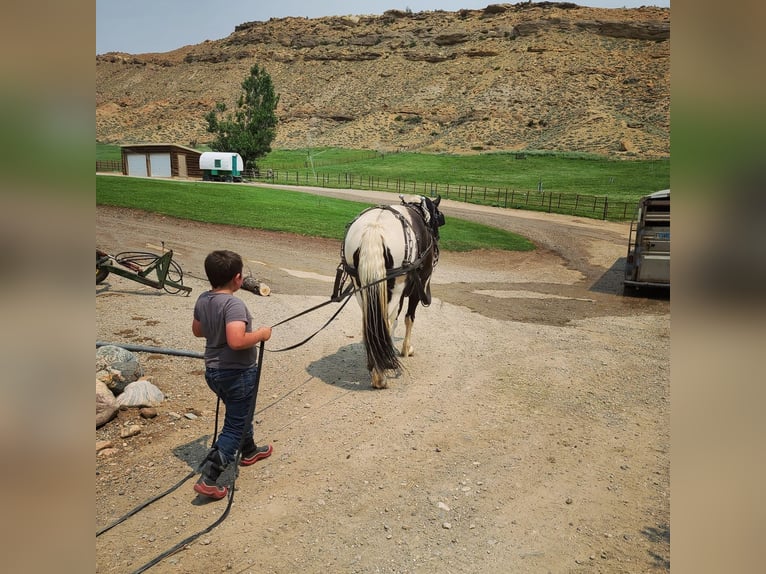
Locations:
(346, 368)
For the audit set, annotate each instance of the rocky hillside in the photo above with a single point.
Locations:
(548, 75)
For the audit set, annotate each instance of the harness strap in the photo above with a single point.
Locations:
(405, 225)
(408, 241)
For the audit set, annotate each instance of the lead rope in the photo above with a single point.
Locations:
(193, 537)
(154, 499)
(345, 294)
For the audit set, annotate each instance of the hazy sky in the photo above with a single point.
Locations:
(141, 26)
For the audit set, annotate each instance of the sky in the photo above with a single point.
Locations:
(140, 26)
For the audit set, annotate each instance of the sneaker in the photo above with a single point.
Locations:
(259, 453)
(213, 491)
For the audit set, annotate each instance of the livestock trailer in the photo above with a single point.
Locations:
(648, 262)
(221, 166)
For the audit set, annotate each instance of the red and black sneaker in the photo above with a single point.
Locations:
(213, 491)
(259, 453)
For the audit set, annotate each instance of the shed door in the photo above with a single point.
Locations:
(160, 164)
(137, 165)
(181, 165)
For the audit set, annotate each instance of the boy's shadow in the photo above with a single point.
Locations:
(193, 453)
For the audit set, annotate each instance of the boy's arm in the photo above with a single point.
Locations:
(238, 339)
(197, 328)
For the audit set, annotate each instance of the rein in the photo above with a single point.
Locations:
(340, 294)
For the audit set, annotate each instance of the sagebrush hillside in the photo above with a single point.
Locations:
(538, 76)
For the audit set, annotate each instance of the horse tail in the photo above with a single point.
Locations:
(381, 353)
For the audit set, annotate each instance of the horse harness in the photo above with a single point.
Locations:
(345, 271)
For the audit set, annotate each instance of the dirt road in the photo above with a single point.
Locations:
(529, 433)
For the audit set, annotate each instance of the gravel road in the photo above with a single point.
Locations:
(528, 433)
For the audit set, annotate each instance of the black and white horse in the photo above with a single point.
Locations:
(391, 250)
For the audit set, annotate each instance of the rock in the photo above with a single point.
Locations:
(113, 379)
(627, 145)
(132, 430)
(106, 405)
(111, 358)
(148, 412)
(107, 452)
(140, 393)
(102, 444)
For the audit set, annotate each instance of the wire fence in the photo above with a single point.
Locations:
(108, 165)
(593, 206)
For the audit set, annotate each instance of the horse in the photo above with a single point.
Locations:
(389, 252)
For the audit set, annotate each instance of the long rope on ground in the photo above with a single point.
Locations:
(162, 350)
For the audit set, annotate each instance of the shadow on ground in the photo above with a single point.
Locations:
(613, 282)
(346, 368)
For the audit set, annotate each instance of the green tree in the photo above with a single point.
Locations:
(250, 130)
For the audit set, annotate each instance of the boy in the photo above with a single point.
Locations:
(231, 360)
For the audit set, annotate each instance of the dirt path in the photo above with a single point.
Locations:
(529, 433)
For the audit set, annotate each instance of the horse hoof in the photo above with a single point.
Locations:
(408, 353)
(379, 382)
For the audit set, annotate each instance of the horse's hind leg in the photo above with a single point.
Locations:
(378, 379)
(409, 320)
(407, 349)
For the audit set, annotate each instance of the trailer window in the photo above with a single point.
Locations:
(218, 163)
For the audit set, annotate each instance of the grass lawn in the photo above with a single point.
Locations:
(276, 210)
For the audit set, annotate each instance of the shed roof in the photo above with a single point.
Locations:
(160, 145)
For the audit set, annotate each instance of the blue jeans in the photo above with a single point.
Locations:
(235, 388)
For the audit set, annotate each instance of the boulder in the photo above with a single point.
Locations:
(106, 405)
(140, 393)
(117, 367)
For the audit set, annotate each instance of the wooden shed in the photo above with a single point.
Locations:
(161, 160)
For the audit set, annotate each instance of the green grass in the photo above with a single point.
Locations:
(108, 151)
(275, 210)
(620, 180)
(571, 183)
(571, 173)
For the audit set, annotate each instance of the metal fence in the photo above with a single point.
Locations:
(593, 206)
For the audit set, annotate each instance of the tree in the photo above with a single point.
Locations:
(250, 130)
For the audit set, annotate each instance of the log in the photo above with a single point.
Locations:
(254, 286)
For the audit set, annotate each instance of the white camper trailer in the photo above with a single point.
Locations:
(221, 166)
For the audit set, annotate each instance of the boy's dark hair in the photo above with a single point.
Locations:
(221, 266)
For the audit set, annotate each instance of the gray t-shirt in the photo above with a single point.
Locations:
(214, 311)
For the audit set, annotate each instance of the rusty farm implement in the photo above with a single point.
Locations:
(158, 271)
